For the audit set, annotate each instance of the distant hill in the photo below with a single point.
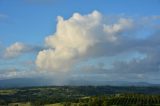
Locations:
(111, 83)
(22, 82)
(27, 82)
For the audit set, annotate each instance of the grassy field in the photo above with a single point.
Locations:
(28, 104)
(83, 95)
(19, 104)
(8, 92)
(56, 104)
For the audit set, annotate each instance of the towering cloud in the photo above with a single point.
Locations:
(93, 48)
(79, 37)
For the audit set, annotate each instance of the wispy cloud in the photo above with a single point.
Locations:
(18, 49)
(43, 1)
(3, 17)
(9, 73)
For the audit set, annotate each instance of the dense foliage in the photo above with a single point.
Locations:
(82, 96)
(120, 100)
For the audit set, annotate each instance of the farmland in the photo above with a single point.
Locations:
(81, 96)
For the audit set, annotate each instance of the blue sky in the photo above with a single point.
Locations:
(34, 19)
(25, 27)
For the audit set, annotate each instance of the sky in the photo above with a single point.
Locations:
(80, 40)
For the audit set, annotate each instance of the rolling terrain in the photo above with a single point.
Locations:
(81, 96)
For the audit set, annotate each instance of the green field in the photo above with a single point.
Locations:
(28, 104)
(19, 104)
(81, 96)
(7, 92)
(56, 104)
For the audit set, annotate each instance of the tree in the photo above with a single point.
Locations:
(104, 103)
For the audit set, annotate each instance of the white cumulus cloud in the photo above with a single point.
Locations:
(15, 50)
(76, 37)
